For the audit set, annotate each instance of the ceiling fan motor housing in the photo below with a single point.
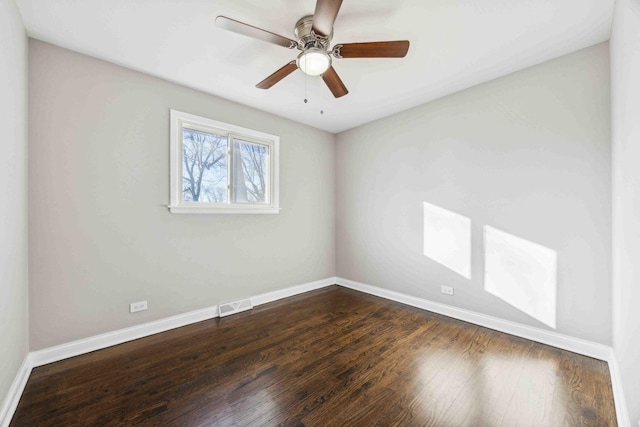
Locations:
(307, 38)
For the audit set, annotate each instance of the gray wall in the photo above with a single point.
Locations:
(625, 122)
(528, 153)
(100, 232)
(14, 310)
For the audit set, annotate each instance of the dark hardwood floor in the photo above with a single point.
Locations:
(328, 357)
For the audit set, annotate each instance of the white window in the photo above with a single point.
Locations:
(221, 168)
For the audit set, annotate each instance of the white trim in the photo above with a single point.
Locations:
(177, 118)
(618, 393)
(565, 342)
(291, 291)
(12, 398)
(98, 342)
(182, 209)
(75, 348)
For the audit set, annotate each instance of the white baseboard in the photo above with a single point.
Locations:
(565, 342)
(86, 345)
(97, 342)
(12, 398)
(291, 291)
(618, 392)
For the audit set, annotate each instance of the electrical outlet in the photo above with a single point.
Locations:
(137, 306)
(448, 290)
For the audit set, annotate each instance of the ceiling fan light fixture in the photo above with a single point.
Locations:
(314, 61)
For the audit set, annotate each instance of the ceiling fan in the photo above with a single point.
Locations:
(314, 33)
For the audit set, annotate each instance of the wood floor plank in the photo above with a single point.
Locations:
(485, 399)
(431, 404)
(327, 357)
(380, 368)
(417, 373)
(531, 399)
(603, 393)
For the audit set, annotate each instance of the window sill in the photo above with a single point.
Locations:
(216, 211)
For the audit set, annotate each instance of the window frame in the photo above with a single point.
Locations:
(233, 133)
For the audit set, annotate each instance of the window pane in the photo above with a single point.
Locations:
(250, 172)
(204, 167)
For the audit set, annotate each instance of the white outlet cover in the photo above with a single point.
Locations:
(447, 290)
(137, 306)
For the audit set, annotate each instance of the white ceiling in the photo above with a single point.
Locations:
(455, 44)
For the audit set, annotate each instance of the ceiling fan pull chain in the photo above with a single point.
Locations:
(321, 99)
(305, 82)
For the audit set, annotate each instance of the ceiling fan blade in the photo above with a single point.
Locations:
(334, 83)
(325, 16)
(393, 49)
(255, 32)
(277, 76)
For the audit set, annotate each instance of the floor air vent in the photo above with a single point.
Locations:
(234, 307)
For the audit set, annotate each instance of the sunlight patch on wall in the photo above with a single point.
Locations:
(521, 273)
(447, 239)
